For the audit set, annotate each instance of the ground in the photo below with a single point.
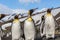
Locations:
(37, 38)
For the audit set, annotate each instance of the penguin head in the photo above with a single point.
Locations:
(1, 16)
(31, 11)
(48, 10)
(16, 17)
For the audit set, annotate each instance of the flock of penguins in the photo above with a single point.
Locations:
(47, 27)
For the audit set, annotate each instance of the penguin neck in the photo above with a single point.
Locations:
(16, 20)
(48, 14)
(29, 18)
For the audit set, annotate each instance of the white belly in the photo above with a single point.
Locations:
(16, 30)
(29, 30)
(49, 26)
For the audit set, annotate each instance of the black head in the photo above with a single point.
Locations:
(16, 17)
(48, 10)
(1, 16)
(32, 10)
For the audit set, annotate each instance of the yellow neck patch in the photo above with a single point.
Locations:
(48, 14)
(15, 20)
(29, 19)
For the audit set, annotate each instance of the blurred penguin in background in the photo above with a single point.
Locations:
(1, 16)
(49, 25)
(42, 26)
(29, 27)
(6, 29)
(16, 29)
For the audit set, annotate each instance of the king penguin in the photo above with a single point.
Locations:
(42, 26)
(29, 28)
(16, 29)
(49, 29)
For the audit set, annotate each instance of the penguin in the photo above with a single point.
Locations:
(42, 26)
(16, 29)
(49, 25)
(6, 29)
(29, 27)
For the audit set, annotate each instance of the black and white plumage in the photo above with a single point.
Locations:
(42, 26)
(29, 27)
(49, 25)
(16, 29)
(29, 30)
(6, 29)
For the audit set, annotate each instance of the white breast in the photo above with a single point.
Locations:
(49, 26)
(49, 20)
(29, 29)
(16, 30)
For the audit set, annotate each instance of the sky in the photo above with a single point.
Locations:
(28, 4)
